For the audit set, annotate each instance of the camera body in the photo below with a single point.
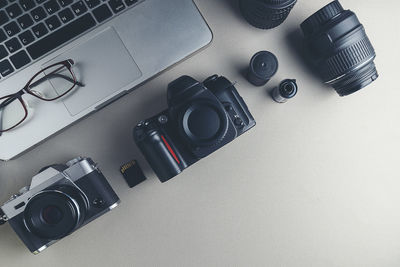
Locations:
(60, 200)
(201, 118)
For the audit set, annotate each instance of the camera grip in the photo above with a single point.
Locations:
(161, 155)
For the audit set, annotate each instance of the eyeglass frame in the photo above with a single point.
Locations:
(25, 90)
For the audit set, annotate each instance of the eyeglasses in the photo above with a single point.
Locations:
(50, 84)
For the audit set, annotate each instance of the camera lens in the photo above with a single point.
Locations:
(52, 215)
(266, 14)
(55, 213)
(341, 48)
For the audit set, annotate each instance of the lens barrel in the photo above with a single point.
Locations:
(266, 14)
(55, 213)
(340, 48)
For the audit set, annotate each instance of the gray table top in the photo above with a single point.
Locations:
(316, 183)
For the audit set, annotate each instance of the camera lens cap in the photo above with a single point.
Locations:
(263, 66)
(201, 122)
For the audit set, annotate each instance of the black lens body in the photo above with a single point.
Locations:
(54, 213)
(201, 118)
(263, 66)
(62, 208)
(266, 14)
(340, 48)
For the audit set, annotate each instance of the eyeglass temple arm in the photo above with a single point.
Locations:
(1, 122)
(41, 80)
(5, 103)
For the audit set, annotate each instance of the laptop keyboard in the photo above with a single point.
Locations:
(29, 29)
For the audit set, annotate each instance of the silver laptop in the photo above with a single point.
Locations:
(115, 45)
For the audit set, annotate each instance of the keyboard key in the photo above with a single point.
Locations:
(116, 5)
(3, 52)
(3, 17)
(130, 2)
(51, 6)
(25, 21)
(66, 15)
(26, 37)
(65, 3)
(53, 23)
(6, 68)
(39, 30)
(14, 11)
(3, 3)
(12, 28)
(3, 36)
(20, 59)
(13, 45)
(79, 8)
(102, 13)
(27, 4)
(38, 14)
(61, 36)
(92, 3)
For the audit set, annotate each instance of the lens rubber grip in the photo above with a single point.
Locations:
(347, 59)
(321, 17)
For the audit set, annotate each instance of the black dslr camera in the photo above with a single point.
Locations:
(201, 118)
(60, 199)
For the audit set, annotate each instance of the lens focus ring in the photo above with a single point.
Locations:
(266, 14)
(321, 17)
(347, 59)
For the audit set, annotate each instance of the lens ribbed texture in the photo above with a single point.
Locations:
(321, 17)
(356, 80)
(274, 2)
(348, 58)
(263, 14)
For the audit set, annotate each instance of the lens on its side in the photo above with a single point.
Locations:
(340, 48)
(53, 214)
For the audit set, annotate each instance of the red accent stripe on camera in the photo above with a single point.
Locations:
(170, 149)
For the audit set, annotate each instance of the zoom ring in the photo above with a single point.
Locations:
(347, 59)
(274, 2)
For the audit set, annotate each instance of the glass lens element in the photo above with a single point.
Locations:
(11, 114)
(52, 82)
(52, 214)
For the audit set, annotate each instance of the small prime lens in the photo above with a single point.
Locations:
(263, 66)
(340, 48)
(55, 213)
(266, 14)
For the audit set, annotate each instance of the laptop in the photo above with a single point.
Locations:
(115, 44)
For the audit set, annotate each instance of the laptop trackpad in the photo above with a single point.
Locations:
(103, 65)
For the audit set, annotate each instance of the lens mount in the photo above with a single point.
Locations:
(53, 214)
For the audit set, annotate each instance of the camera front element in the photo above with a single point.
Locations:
(53, 214)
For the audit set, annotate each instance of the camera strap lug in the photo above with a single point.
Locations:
(3, 218)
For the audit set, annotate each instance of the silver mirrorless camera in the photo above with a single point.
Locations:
(60, 199)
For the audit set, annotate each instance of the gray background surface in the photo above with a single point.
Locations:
(316, 183)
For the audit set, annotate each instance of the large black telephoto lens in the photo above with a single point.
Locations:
(341, 49)
(266, 14)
